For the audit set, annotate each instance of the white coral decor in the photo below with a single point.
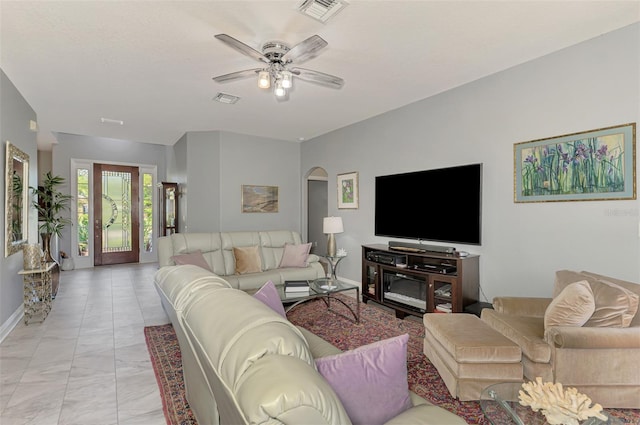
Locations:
(559, 406)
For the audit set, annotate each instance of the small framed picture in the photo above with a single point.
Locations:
(259, 199)
(348, 190)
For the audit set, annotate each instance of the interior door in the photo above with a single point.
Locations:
(316, 211)
(116, 214)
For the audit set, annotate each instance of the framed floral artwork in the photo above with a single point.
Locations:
(592, 165)
(348, 190)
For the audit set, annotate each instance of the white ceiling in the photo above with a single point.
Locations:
(150, 63)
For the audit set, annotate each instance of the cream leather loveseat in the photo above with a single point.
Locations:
(246, 364)
(596, 350)
(217, 248)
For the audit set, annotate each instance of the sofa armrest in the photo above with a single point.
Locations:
(426, 414)
(521, 306)
(591, 337)
(165, 251)
(312, 258)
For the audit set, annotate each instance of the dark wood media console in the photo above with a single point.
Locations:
(429, 280)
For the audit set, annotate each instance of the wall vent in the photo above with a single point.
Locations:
(321, 10)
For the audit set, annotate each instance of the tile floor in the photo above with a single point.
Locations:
(87, 363)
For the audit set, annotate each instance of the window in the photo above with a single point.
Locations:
(147, 212)
(82, 208)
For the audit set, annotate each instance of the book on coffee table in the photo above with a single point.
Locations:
(296, 286)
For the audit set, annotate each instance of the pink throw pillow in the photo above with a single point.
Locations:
(195, 258)
(268, 294)
(295, 255)
(371, 381)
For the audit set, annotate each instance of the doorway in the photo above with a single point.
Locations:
(317, 209)
(116, 214)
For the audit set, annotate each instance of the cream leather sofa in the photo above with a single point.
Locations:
(601, 362)
(217, 249)
(245, 364)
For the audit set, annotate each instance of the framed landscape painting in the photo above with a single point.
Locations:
(592, 165)
(348, 190)
(259, 199)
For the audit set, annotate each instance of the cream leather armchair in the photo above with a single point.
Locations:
(601, 362)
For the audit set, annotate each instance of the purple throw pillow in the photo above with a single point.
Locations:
(268, 294)
(371, 381)
(295, 255)
(196, 258)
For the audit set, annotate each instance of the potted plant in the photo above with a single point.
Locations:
(51, 203)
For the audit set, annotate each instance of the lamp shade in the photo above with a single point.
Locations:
(332, 225)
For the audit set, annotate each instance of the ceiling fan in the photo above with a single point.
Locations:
(277, 58)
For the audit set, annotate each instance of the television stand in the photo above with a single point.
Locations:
(415, 283)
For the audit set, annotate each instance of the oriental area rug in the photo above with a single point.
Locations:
(375, 324)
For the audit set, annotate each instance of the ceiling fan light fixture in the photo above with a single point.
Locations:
(279, 91)
(287, 79)
(264, 80)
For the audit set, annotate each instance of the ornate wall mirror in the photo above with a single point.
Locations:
(16, 199)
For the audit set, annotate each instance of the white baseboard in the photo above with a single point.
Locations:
(11, 322)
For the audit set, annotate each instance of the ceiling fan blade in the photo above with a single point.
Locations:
(237, 75)
(305, 50)
(242, 48)
(318, 77)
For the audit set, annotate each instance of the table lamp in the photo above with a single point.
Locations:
(331, 226)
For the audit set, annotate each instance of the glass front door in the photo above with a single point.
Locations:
(116, 214)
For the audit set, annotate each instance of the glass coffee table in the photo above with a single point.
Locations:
(324, 288)
(500, 405)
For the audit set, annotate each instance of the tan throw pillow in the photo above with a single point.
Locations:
(572, 307)
(247, 260)
(615, 305)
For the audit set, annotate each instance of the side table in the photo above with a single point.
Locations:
(37, 291)
(333, 264)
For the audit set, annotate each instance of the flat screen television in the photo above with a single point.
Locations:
(443, 205)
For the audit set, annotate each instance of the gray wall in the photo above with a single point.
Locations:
(71, 146)
(591, 85)
(203, 182)
(15, 114)
(218, 164)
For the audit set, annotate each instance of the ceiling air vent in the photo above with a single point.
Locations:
(226, 98)
(321, 10)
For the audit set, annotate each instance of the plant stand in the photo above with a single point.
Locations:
(37, 291)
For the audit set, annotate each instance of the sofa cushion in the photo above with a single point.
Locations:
(371, 381)
(247, 259)
(295, 255)
(572, 307)
(615, 305)
(630, 286)
(268, 294)
(195, 258)
(183, 243)
(527, 332)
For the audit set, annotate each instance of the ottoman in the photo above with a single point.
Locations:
(469, 354)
